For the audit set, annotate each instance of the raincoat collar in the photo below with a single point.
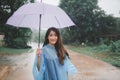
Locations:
(50, 46)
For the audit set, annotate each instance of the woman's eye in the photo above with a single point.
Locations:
(50, 35)
(55, 35)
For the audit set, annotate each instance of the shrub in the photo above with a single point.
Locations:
(102, 48)
(115, 46)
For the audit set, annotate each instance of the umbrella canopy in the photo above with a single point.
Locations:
(42, 15)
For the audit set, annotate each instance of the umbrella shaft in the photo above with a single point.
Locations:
(39, 32)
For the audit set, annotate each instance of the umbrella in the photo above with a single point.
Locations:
(40, 16)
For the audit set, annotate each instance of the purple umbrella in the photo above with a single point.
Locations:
(40, 16)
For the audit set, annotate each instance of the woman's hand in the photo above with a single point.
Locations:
(38, 51)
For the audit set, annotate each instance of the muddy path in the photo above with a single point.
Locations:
(93, 69)
(19, 67)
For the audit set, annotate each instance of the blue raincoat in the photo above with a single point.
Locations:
(50, 68)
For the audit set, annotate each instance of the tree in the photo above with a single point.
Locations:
(118, 25)
(14, 37)
(87, 16)
(107, 25)
(7, 8)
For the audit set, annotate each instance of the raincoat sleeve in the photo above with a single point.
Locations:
(70, 68)
(38, 74)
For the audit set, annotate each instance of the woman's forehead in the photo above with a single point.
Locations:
(52, 32)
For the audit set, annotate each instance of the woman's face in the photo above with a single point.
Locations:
(52, 37)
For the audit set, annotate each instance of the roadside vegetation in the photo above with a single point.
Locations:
(13, 51)
(108, 53)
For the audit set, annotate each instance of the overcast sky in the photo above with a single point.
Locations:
(53, 2)
(109, 6)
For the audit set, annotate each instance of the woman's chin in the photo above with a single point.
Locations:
(53, 43)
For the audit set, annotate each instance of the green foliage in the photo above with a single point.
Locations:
(90, 20)
(16, 37)
(107, 25)
(18, 42)
(83, 13)
(7, 51)
(111, 46)
(7, 8)
(115, 46)
(102, 48)
(118, 25)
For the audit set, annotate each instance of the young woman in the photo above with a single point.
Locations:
(52, 61)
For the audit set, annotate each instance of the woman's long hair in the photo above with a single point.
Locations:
(61, 51)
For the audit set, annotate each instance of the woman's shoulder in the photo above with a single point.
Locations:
(47, 48)
(44, 48)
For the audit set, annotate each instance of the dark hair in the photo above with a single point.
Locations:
(61, 51)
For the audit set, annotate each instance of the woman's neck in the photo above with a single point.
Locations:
(51, 45)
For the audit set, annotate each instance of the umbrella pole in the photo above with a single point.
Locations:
(39, 31)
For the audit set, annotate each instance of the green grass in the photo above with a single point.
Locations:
(4, 51)
(112, 58)
(84, 50)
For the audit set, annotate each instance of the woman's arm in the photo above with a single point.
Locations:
(70, 68)
(38, 66)
(38, 55)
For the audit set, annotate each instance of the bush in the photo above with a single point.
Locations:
(115, 46)
(102, 48)
(19, 43)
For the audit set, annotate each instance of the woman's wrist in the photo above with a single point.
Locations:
(39, 55)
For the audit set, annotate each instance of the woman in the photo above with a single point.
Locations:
(52, 62)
